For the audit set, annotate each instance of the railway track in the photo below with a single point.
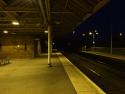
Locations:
(106, 74)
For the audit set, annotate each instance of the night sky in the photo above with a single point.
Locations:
(109, 19)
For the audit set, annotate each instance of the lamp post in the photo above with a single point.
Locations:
(93, 36)
(84, 35)
(111, 41)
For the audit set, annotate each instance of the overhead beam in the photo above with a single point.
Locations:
(81, 5)
(101, 4)
(61, 12)
(8, 14)
(29, 31)
(43, 13)
(47, 3)
(33, 11)
(47, 10)
(66, 4)
(22, 24)
(2, 2)
(20, 28)
(22, 19)
(87, 16)
(21, 8)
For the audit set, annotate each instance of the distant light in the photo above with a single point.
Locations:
(90, 33)
(96, 33)
(83, 34)
(73, 32)
(5, 31)
(15, 23)
(93, 42)
(46, 31)
(53, 43)
(121, 34)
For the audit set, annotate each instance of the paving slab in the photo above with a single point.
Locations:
(33, 76)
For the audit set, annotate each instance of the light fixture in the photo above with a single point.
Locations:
(18, 46)
(96, 33)
(73, 32)
(121, 34)
(53, 43)
(83, 34)
(90, 33)
(5, 31)
(15, 23)
(45, 31)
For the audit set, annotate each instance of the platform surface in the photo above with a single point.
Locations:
(34, 76)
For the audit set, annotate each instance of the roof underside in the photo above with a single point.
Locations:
(34, 15)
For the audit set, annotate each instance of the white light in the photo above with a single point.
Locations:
(5, 31)
(93, 42)
(90, 33)
(73, 32)
(96, 33)
(45, 31)
(53, 43)
(121, 34)
(83, 34)
(15, 23)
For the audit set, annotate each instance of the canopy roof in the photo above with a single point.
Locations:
(34, 15)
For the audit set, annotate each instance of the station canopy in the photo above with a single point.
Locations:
(33, 16)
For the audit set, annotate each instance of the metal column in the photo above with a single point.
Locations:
(39, 47)
(111, 40)
(49, 45)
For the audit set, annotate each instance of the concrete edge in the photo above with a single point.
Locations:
(97, 88)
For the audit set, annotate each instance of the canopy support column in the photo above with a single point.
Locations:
(49, 45)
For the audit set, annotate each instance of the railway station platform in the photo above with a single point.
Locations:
(34, 76)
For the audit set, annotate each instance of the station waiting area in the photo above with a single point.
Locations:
(34, 76)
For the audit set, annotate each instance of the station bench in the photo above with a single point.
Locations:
(4, 60)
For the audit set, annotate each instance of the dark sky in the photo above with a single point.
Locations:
(109, 19)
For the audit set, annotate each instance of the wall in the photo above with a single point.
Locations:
(17, 46)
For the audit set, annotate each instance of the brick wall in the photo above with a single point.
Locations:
(17, 46)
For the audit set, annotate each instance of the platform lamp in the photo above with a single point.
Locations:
(93, 36)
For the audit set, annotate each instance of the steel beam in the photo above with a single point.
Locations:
(43, 13)
(61, 12)
(100, 5)
(20, 28)
(32, 11)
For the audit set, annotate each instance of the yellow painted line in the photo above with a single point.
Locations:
(66, 62)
